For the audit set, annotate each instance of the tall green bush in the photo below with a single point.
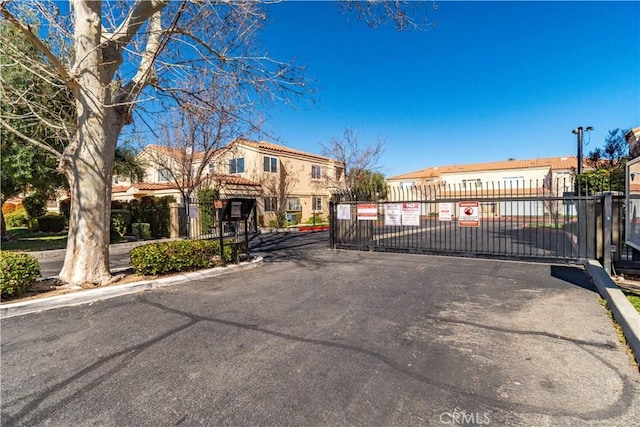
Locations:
(19, 273)
(120, 221)
(206, 197)
(35, 204)
(153, 211)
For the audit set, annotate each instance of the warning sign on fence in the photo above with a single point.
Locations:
(367, 211)
(469, 214)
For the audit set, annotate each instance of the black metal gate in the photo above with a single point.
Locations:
(513, 220)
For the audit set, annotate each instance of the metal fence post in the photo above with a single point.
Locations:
(332, 224)
(607, 229)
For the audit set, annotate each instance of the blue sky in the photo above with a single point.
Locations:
(492, 80)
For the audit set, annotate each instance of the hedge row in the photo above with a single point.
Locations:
(19, 272)
(178, 256)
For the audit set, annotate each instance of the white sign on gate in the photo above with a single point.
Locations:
(411, 214)
(344, 211)
(392, 214)
(445, 211)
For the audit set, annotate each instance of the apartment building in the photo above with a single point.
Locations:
(490, 180)
(282, 179)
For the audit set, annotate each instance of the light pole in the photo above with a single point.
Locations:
(580, 131)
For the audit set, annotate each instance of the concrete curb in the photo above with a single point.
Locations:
(92, 295)
(623, 312)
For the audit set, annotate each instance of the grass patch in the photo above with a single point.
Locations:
(28, 241)
(35, 241)
(634, 299)
(620, 334)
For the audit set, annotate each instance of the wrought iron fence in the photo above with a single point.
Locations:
(521, 219)
(200, 220)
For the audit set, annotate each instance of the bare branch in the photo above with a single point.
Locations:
(24, 29)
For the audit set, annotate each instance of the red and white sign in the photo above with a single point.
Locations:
(469, 214)
(445, 211)
(367, 211)
(411, 214)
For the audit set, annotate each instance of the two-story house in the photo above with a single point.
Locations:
(284, 180)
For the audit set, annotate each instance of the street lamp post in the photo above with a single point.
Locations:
(579, 131)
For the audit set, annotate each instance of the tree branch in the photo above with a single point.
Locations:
(38, 144)
(24, 29)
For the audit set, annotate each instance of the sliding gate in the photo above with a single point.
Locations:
(517, 220)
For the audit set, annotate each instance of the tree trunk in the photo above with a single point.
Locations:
(6, 236)
(88, 160)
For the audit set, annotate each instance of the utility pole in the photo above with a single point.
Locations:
(579, 131)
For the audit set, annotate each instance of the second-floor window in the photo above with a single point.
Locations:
(212, 168)
(270, 164)
(164, 175)
(236, 165)
(316, 172)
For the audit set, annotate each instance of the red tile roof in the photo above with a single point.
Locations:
(555, 163)
(150, 186)
(263, 145)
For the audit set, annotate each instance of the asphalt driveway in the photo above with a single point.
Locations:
(320, 337)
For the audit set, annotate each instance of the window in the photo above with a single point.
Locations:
(164, 175)
(270, 204)
(316, 172)
(236, 165)
(293, 204)
(407, 184)
(316, 203)
(270, 164)
(339, 172)
(212, 168)
(473, 183)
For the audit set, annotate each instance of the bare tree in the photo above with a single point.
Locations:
(193, 138)
(279, 185)
(113, 56)
(359, 160)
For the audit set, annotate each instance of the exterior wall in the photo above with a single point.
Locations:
(299, 183)
(297, 166)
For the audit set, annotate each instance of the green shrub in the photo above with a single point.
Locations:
(51, 223)
(206, 197)
(17, 218)
(19, 272)
(178, 256)
(120, 221)
(317, 217)
(154, 211)
(65, 208)
(32, 225)
(142, 230)
(35, 204)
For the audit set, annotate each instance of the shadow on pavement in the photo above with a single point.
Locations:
(574, 275)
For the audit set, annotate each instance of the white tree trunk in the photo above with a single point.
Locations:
(88, 161)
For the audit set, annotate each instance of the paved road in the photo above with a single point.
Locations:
(321, 337)
(492, 236)
(288, 244)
